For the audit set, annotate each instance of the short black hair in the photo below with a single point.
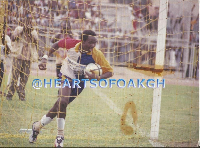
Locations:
(86, 33)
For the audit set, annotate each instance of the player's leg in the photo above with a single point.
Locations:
(24, 75)
(58, 74)
(59, 110)
(1, 74)
(16, 66)
(66, 96)
(62, 113)
(61, 106)
(76, 91)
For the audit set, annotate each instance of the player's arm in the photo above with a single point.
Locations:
(55, 38)
(106, 68)
(53, 48)
(42, 64)
(66, 43)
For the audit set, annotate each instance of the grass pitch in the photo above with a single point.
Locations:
(92, 122)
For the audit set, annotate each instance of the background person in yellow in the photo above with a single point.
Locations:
(24, 43)
(83, 52)
(61, 53)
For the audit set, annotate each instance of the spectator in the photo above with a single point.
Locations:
(61, 53)
(57, 19)
(5, 49)
(24, 42)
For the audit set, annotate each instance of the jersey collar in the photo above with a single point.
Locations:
(77, 49)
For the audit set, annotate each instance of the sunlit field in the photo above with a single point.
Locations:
(93, 118)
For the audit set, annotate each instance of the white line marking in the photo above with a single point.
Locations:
(117, 110)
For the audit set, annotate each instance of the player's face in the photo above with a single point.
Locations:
(89, 44)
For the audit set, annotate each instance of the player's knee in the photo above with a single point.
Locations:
(63, 102)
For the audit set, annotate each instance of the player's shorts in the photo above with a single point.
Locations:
(74, 91)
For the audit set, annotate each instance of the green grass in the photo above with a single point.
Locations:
(91, 122)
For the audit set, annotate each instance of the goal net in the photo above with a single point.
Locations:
(153, 48)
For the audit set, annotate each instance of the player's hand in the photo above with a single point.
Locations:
(42, 64)
(91, 75)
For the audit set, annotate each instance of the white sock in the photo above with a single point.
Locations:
(45, 120)
(61, 126)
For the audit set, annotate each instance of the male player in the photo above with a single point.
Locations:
(83, 52)
(61, 52)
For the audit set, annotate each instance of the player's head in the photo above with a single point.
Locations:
(88, 40)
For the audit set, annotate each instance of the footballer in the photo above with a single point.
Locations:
(79, 54)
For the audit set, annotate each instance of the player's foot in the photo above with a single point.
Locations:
(34, 133)
(59, 141)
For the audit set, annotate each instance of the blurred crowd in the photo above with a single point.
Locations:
(52, 13)
(144, 16)
(124, 44)
(88, 15)
(42, 12)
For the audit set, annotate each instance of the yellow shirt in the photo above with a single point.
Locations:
(74, 53)
(99, 58)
